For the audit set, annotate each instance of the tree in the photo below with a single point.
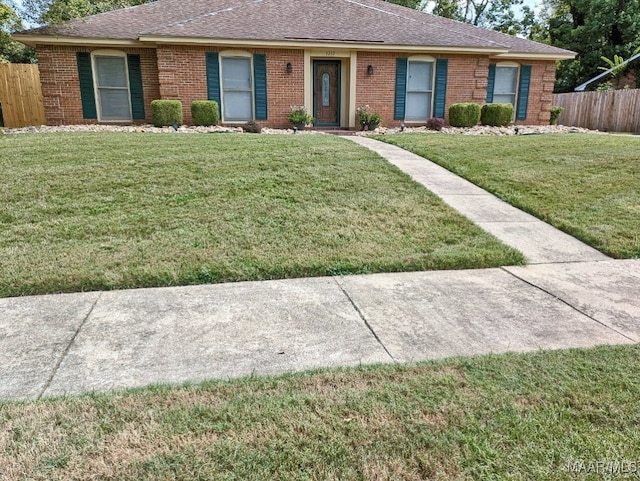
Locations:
(593, 29)
(56, 11)
(507, 16)
(10, 50)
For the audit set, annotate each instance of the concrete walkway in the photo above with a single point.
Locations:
(538, 241)
(97, 341)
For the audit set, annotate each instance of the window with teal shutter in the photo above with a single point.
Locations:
(442, 66)
(135, 86)
(523, 92)
(85, 77)
(401, 89)
(260, 85)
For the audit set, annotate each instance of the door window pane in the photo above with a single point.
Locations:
(419, 91)
(112, 87)
(237, 89)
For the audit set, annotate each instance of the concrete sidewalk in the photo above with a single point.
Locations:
(570, 296)
(71, 343)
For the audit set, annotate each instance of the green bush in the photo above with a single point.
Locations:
(464, 115)
(204, 112)
(166, 112)
(496, 115)
(556, 110)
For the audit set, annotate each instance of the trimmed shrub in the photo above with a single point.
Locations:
(435, 124)
(496, 115)
(556, 110)
(166, 112)
(252, 127)
(204, 112)
(464, 114)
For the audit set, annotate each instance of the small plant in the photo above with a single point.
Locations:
(204, 112)
(368, 119)
(299, 116)
(556, 110)
(435, 124)
(464, 114)
(166, 112)
(252, 127)
(496, 115)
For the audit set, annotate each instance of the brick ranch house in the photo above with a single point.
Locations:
(259, 57)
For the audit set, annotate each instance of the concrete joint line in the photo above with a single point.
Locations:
(569, 304)
(68, 348)
(364, 319)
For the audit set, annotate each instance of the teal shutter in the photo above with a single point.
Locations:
(523, 92)
(213, 77)
(135, 86)
(85, 76)
(260, 85)
(401, 89)
(491, 82)
(442, 65)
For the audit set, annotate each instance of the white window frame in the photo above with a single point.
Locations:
(422, 59)
(515, 94)
(236, 54)
(96, 89)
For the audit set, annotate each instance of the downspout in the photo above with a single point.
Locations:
(580, 88)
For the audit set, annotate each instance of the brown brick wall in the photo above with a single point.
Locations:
(61, 88)
(183, 76)
(180, 73)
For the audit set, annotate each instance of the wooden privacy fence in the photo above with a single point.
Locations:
(615, 111)
(21, 95)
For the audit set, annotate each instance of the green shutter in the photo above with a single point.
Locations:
(260, 85)
(442, 65)
(85, 76)
(401, 89)
(491, 82)
(523, 92)
(135, 86)
(213, 77)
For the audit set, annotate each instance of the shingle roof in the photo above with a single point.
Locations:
(353, 21)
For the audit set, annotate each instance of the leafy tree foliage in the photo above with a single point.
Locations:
(10, 50)
(508, 16)
(594, 29)
(56, 11)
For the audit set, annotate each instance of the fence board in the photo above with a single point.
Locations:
(616, 111)
(21, 95)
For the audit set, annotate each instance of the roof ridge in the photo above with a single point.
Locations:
(202, 15)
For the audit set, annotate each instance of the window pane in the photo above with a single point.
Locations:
(111, 71)
(506, 80)
(420, 76)
(114, 104)
(236, 73)
(504, 99)
(418, 106)
(237, 106)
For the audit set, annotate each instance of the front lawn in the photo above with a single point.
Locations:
(586, 185)
(113, 210)
(557, 416)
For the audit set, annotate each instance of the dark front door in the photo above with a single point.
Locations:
(326, 92)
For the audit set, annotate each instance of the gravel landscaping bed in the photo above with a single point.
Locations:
(478, 130)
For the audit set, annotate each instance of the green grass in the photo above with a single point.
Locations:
(498, 417)
(108, 210)
(586, 185)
